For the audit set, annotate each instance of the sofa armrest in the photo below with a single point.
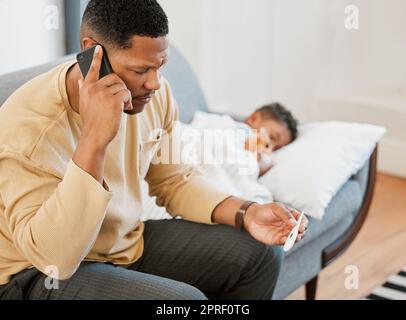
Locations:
(335, 249)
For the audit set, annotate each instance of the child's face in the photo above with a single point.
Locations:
(278, 133)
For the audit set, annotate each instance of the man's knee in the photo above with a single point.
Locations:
(185, 291)
(253, 267)
(274, 257)
(253, 254)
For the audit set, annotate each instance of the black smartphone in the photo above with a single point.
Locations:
(85, 59)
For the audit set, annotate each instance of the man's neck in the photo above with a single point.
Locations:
(72, 87)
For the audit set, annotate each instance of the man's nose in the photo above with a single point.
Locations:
(154, 81)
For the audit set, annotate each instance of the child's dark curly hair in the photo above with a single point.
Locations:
(278, 112)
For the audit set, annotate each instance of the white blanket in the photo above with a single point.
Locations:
(224, 161)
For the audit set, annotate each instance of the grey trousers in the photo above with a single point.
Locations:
(182, 261)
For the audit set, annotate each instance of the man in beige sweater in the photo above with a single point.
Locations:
(73, 152)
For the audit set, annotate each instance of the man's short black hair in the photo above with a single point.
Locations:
(114, 22)
(279, 113)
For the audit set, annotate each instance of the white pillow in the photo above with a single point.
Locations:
(311, 170)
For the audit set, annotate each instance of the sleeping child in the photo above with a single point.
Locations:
(268, 129)
(276, 127)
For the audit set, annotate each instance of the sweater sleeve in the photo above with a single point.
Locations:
(53, 221)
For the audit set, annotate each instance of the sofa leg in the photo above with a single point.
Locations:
(311, 288)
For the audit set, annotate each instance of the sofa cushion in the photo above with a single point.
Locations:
(185, 86)
(12, 81)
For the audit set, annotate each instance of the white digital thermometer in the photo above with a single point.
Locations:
(290, 242)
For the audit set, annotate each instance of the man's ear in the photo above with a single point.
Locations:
(87, 42)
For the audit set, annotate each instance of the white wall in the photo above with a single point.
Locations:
(27, 33)
(324, 71)
(299, 52)
(227, 43)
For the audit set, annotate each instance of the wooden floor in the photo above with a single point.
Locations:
(379, 250)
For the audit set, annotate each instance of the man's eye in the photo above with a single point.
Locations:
(141, 72)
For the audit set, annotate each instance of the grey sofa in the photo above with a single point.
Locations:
(326, 239)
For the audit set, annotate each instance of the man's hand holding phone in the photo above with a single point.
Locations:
(102, 102)
(101, 106)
